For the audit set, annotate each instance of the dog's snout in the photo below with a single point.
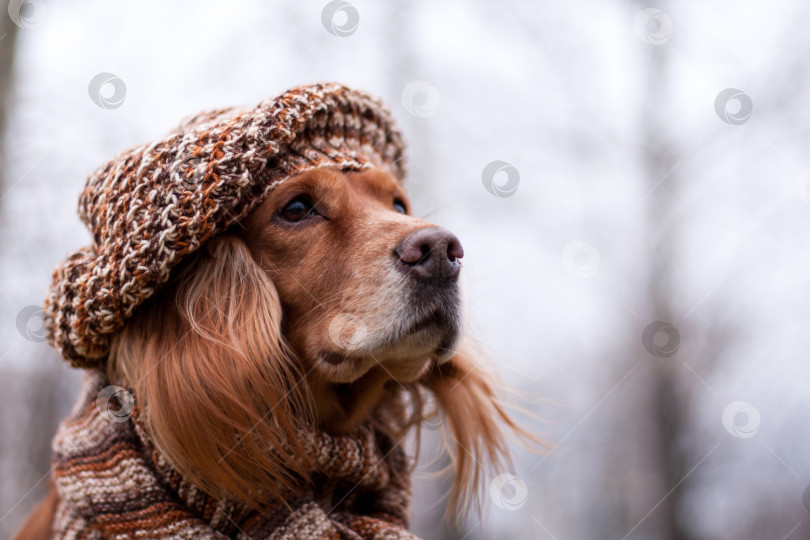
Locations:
(431, 254)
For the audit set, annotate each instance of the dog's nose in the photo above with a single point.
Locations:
(431, 254)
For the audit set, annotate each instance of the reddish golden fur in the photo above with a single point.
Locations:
(228, 356)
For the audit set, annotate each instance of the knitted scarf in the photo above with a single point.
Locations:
(113, 483)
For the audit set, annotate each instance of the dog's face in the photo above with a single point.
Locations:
(362, 283)
(366, 289)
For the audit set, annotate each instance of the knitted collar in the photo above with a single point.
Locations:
(113, 483)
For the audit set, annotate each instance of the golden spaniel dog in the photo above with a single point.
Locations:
(261, 315)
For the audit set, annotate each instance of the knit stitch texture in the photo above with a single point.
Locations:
(113, 483)
(155, 204)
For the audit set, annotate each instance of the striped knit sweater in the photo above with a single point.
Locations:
(112, 483)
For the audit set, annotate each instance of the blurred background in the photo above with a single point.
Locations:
(631, 183)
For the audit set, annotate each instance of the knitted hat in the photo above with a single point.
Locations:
(153, 205)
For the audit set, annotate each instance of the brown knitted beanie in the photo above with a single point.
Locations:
(153, 205)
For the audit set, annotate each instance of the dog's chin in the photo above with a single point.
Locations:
(404, 358)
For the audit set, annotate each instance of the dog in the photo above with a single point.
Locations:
(327, 303)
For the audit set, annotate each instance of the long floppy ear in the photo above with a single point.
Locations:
(477, 423)
(222, 396)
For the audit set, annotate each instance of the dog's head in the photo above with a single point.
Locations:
(367, 291)
(327, 301)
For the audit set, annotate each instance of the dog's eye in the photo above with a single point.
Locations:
(399, 206)
(297, 209)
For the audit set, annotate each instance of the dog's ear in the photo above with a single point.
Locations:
(476, 428)
(222, 396)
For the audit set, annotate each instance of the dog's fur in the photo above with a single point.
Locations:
(247, 338)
